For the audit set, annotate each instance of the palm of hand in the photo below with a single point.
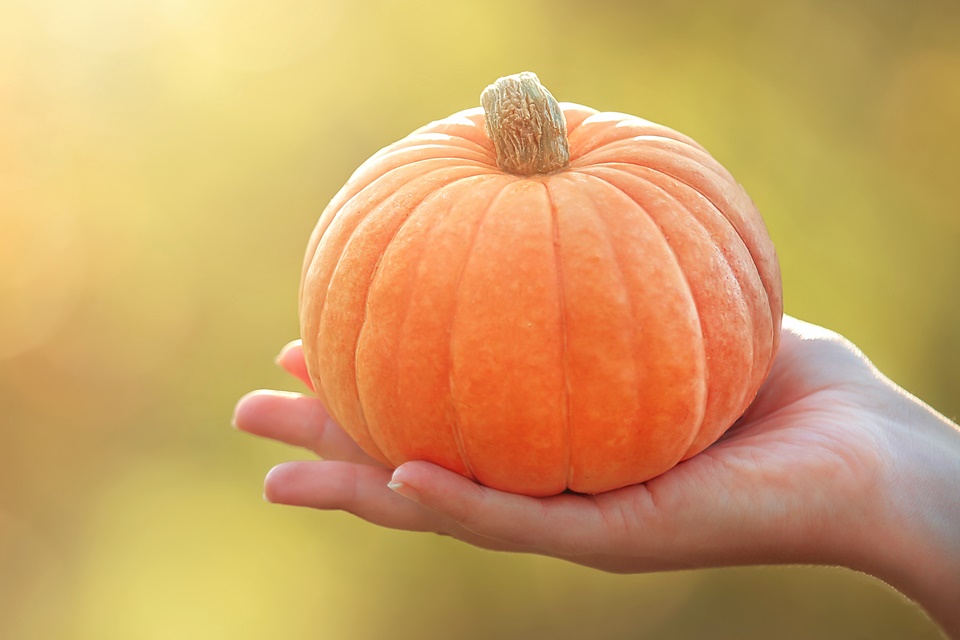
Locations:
(763, 493)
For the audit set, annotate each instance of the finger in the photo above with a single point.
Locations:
(291, 359)
(298, 420)
(567, 525)
(360, 490)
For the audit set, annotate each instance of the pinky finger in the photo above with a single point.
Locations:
(291, 359)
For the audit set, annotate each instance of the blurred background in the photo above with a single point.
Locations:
(161, 166)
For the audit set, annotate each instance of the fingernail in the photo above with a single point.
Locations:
(405, 490)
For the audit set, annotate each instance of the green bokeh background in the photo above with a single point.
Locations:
(161, 166)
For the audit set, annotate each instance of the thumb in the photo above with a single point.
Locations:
(566, 524)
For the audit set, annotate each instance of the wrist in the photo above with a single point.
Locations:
(915, 544)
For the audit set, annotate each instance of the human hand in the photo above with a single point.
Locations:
(814, 472)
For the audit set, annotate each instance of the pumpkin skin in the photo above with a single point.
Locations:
(581, 330)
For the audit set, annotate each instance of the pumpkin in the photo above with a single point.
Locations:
(540, 296)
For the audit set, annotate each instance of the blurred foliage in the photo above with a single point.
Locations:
(161, 165)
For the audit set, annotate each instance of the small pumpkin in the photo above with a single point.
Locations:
(540, 296)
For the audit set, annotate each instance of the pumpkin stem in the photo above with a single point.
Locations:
(526, 125)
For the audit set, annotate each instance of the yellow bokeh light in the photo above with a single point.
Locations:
(257, 35)
(42, 272)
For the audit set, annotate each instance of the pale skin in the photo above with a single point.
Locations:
(832, 464)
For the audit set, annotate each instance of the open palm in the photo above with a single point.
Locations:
(772, 489)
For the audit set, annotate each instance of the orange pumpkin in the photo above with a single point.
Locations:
(540, 297)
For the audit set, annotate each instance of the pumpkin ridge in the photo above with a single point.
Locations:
(466, 118)
(370, 287)
(313, 253)
(376, 271)
(582, 155)
(437, 127)
(572, 106)
(769, 305)
(408, 300)
(749, 317)
(622, 167)
(696, 219)
(753, 255)
(456, 427)
(744, 390)
(583, 159)
(428, 135)
(693, 301)
(608, 236)
(328, 215)
(703, 159)
(381, 198)
(564, 361)
(389, 153)
(315, 369)
(763, 353)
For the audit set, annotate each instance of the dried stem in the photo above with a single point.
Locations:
(526, 125)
